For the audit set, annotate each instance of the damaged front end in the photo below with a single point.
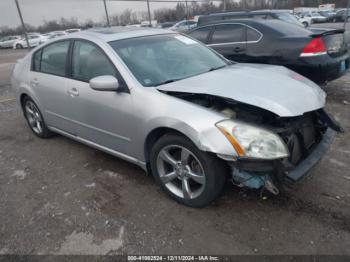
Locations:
(306, 138)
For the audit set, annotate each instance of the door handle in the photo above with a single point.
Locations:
(238, 49)
(34, 82)
(73, 92)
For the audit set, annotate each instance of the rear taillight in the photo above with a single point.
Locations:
(315, 48)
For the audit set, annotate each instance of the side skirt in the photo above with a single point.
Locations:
(102, 148)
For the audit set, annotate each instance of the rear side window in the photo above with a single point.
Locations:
(229, 33)
(201, 34)
(54, 57)
(89, 61)
(252, 35)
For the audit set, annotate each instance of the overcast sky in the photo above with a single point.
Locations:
(35, 11)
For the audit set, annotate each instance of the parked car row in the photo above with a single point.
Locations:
(318, 54)
(34, 39)
(315, 17)
(261, 126)
(339, 15)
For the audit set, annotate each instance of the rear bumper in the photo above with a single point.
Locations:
(301, 171)
(323, 68)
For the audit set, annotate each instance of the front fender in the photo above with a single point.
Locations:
(208, 139)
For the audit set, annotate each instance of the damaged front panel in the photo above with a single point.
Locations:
(303, 135)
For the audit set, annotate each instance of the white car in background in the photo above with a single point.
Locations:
(306, 21)
(55, 34)
(8, 41)
(315, 17)
(33, 39)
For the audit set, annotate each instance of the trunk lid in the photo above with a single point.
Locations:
(333, 39)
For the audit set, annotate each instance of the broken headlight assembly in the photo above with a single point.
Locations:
(253, 142)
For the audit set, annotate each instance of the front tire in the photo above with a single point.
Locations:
(188, 175)
(305, 24)
(35, 119)
(19, 46)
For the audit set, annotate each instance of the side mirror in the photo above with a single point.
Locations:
(105, 83)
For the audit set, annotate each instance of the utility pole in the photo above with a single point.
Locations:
(22, 22)
(107, 16)
(149, 14)
(346, 14)
(187, 15)
(224, 5)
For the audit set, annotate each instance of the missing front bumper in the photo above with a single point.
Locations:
(273, 175)
(303, 168)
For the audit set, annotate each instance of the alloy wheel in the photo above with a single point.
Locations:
(34, 117)
(181, 171)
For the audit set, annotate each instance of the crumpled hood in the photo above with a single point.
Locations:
(273, 88)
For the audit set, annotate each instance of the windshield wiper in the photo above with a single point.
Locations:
(216, 68)
(168, 81)
(177, 79)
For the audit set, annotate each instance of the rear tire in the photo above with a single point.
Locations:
(305, 24)
(189, 176)
(35, 119)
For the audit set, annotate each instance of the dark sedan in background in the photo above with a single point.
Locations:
(319, 55)
(341, 16)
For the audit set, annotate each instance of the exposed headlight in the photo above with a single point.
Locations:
(253, 142)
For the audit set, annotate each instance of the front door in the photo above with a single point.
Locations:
(102, 117)
(48, 80)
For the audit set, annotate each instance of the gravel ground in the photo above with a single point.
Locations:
(61, 197)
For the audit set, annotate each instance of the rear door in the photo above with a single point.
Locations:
(255, 49)
(230, 41)
(49, 82)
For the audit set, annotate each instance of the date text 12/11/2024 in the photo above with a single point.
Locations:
(173, 258)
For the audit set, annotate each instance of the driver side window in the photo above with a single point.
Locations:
(89, 61)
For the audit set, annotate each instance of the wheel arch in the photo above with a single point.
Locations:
(211, 141)
(153, 136)
(21, 99)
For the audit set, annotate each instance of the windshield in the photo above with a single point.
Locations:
(160, 59)
(288, 18)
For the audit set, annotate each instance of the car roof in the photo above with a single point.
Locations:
(121, 32)
(278, 26)
(264, 11)
(247, 21)
(204, 19)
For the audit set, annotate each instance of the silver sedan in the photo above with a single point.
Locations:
(176, 108)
